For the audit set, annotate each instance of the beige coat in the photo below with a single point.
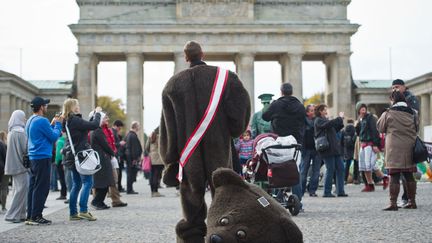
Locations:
(399, 140)
(153, 150)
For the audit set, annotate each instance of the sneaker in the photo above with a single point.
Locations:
(66, 201)
(156, 194)
(87, 216)
(61, 198)
(132, 192)
(39, 221)
(100, 207)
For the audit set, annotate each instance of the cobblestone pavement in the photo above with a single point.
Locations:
(358, 218)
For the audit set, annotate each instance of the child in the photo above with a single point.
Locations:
(245, 148)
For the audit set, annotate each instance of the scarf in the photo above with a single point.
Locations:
(110, 137)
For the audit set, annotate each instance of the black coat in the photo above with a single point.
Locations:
(349, 138)
(104, 177)
(79, 129)
(330, 127)
(3, 150)
(287, 116)
(134, 148)
(309, 141)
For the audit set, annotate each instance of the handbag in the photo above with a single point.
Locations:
(322, 143)
(146, 165)
(420, 152)
(87, 161)
(26, 161)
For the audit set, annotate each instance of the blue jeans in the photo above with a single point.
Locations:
(38, 187)
(83, 183)
(308, 155)
(334, 164)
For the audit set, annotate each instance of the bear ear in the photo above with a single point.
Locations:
(225, 176)
(291, 230)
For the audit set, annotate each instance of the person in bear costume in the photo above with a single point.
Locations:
(243, 212)
(184, 102)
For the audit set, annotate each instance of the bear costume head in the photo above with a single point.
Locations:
(243, 212)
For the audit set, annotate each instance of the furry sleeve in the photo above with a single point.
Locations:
(168, 149)
(236, 105)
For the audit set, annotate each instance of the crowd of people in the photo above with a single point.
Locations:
(33, 146)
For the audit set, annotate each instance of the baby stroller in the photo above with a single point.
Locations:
(273, 167)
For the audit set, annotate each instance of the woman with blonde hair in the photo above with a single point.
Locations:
(81, 184)
(14, 166)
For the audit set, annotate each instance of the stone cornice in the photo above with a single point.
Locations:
(173, 2)
(261, 28)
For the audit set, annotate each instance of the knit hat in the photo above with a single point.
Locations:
(398, 82)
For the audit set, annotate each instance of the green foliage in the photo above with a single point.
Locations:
(315, 99)
(112, 107)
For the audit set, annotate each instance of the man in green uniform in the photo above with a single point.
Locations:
(258, 125)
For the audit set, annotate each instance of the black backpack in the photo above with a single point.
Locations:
(349, 141)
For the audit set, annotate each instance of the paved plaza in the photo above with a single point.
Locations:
(357, 218)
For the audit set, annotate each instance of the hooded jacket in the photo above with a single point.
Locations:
(287, 116)
(330, 128)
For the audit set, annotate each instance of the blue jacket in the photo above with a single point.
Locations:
(41, 137)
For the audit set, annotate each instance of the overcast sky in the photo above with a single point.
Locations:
(36, 33)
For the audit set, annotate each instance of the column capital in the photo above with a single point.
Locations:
(343, 53)
(134, 55)
(84, 54)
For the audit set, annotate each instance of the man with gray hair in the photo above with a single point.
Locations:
(133, 153)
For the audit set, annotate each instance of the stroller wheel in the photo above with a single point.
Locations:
(293, 204)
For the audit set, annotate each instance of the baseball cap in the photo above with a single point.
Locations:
(38, 101)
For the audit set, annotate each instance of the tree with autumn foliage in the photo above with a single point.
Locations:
(315, 99)
(112, 107)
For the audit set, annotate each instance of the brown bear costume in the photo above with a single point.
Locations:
(243, 212)
(184, 101)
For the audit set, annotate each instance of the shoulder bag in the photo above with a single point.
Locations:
(321, 142)
(420, 153)
(87, 161)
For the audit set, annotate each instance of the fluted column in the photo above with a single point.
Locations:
(12, 103)
(86, 82)
(424, 112)
(23, 106)
(343, 100)
(245, 70)
(135, 92)
(180, 63)
(5, 110)
(291, 64)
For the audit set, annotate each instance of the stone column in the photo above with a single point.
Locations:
(5, 110)
(86, 82)
(245, 70)
(343, 101)
(17, 103)
(180, 63)
(291, 64)
(135, 94)
(23, 106)
(424, 112)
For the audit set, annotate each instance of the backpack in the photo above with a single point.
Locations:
(349, 141)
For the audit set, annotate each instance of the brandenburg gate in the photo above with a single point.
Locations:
(243, 31)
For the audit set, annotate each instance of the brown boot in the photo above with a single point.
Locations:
(369, 188)
(412, 189)
(394, 192)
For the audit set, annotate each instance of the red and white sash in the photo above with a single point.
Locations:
(206, 120)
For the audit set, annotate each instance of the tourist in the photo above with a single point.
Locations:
(81, 184)
(134, 155)
(310, 156)
(369, 147)
(152, 149)
(399, 125)
(349, 139)
(119, 143)
(4, 178)
(104, 178)
(332, 155)
(287, 116)
(59, 166)
(184, 102)
(113, 190)
(14, 166)
(41, 136)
